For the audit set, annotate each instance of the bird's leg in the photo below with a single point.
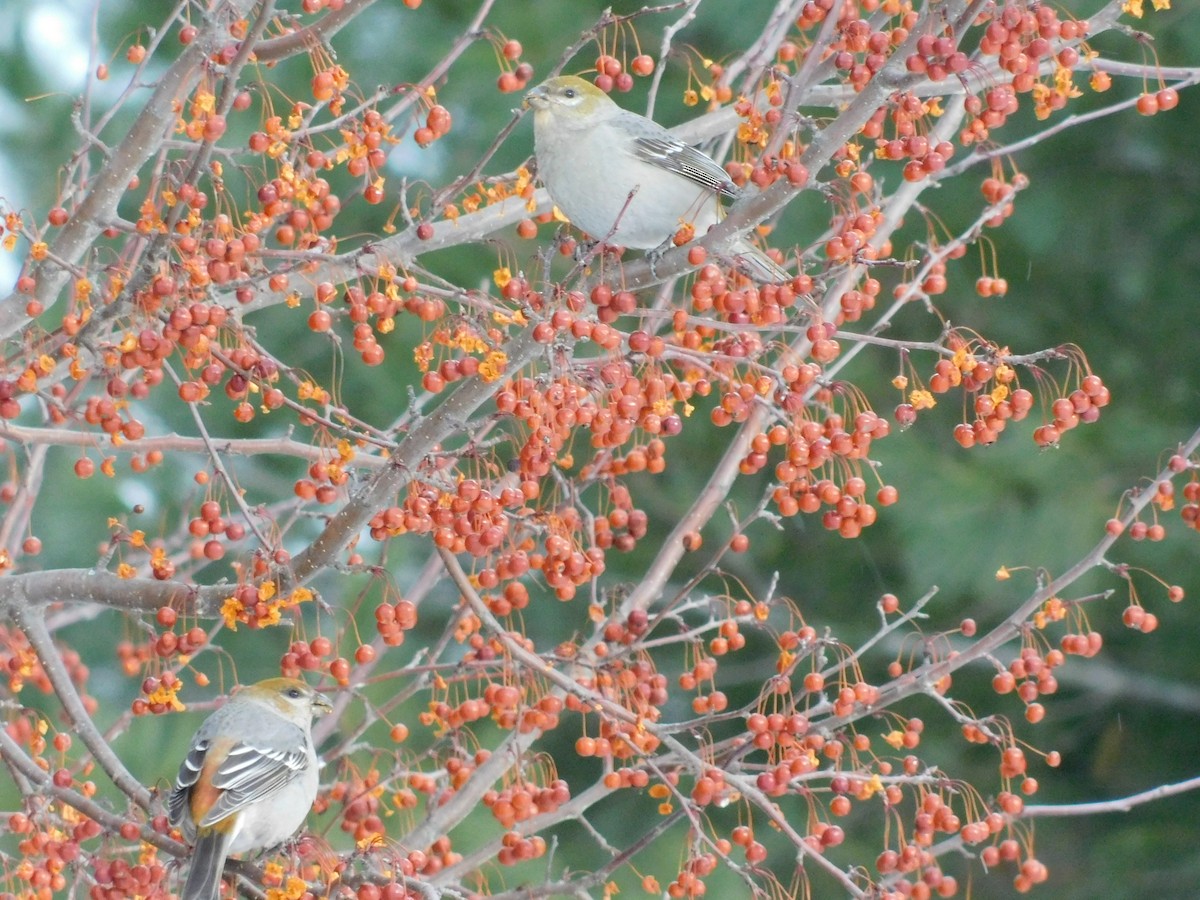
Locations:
(585, 249)
(653, 256)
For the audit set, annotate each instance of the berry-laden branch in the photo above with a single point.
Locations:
(927, 676)
(600, 704)
(31, 621)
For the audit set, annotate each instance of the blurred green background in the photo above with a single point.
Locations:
(1103, 251)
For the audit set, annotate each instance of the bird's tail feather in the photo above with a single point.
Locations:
(208, 861)
(758, 265)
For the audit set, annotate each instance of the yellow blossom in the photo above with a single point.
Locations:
(922, 399)
(524, 179)
(872, 786)
(231, 611)
(1136, 8)
(301, 595)
(272, 617)
(293, 890)
(203, 102)
(166, 695)
(423, 355)
(492, 367)
(516, 318)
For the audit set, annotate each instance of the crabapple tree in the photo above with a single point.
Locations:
(304, 375)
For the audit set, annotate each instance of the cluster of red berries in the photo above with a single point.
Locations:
(992, 416)
(437, 125)
(1162, 100)
(1031, 674)
(808, 446)
(214, 260)
(360, 806)
(616, 740)
(470, 520)
(514, 597)
(636, 686)
(999, 193)
(310, 656)
(46, 857)
(1082, 405)
(169, 643)
(858, 50)
(1022, 37)
(158, 694)
(851, 239)
(1190, 510)
(116, 879)
(633, 683)
(734, 301)
(775, 729)
(516, 78)
(938, 57)
(1086, 644)
(104, 413)
(564, 565)
(19, 661)
(209, 527)
(393, 619)
(312, 7)
(522, 801)
(611, 72)
(392, 890)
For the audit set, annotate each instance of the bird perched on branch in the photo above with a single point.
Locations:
(249, 778)
(623, 178)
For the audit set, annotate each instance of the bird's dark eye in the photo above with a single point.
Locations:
(294, 693)
(569, 93)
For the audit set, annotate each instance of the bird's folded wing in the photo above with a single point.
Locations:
(249, 774)
(677, 157)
